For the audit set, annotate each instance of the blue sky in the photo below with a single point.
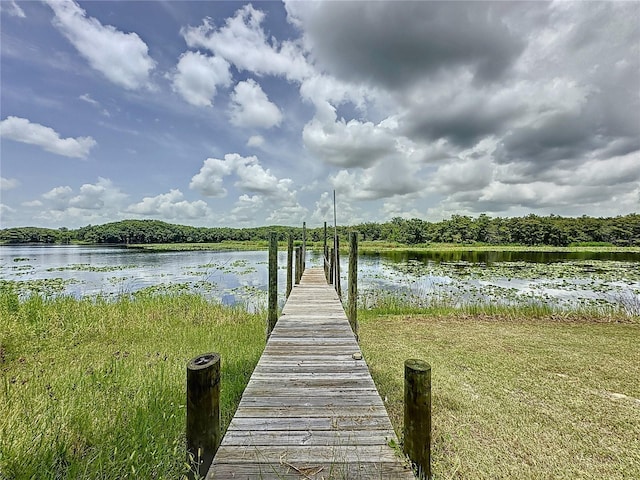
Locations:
(240, 114)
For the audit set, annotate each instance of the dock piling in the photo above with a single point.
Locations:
(203, 412)
(353, 283)
(289, 264)
(273, 282)
(417, 415)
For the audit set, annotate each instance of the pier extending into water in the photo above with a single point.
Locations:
(311, 409)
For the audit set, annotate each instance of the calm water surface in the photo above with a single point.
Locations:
(563, 279)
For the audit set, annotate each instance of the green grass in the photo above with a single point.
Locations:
(96, 389)
(226, 245)
(369, 247)
(517, 395)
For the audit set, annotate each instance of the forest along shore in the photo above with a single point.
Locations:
(529, 230)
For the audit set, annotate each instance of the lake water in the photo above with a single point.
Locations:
(455, 278)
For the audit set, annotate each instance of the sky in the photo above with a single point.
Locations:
(247, 114)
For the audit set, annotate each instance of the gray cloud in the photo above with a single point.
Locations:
(394, 44)
(462, 124)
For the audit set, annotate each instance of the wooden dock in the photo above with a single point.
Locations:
(311, 409)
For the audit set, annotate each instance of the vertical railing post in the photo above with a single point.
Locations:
(298, 257)
(324, 252)
(336, 276)
(273, 282)
(304, 246)
(203, 412)
(300, 264)
(289, 264)
(331, 267)
(353, 282)
(417, 415)
(326, 265)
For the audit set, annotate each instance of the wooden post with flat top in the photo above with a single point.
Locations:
(273, 282)
(203, 412)
(352, 310)
(417, 415)
(298, 267)
(304, 245)
(289, 264)
(336, 276)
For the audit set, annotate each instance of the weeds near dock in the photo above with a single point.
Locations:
(96, 389)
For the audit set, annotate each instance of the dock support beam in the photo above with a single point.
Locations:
(289, 264)
(304, 246)
(331, 267)
(203, 412)
(273, 282)
(325, 252)
(336, 265)
(298, 264)
(353, 283)
(417, 415)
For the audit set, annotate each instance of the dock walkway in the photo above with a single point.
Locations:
(311, 409)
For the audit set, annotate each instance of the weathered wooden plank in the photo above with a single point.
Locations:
(260, 374)
(325, 400)
(298, 350)
(325, 471)
(301, 391)
(308, 437)
(304, 453)
(329, 368)
(311, 423)
(310, 384)
(301, 359)
(300, 411)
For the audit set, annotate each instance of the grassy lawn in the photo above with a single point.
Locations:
(517, 397)
(94, 389)
(184, 247)
(383, 246)
(372, 247)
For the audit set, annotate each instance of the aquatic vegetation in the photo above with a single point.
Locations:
(559, 285)
(22, 269)
(86, 267)
(46, 287)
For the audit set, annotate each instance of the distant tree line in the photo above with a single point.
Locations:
(529, 230)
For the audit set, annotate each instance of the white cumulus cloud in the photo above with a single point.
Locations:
(243, 42)
(250, 177)
(348, 144)
(22, 130)
(121, 57)
(251, 107)
(170, 206)
(256, 141)
(209, 180)
(100, 196)
(197, 77)
(8, 183)
(245, 209)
